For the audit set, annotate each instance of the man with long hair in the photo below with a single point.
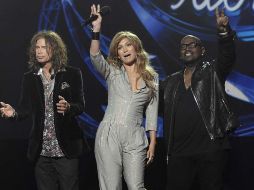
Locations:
(52, 93)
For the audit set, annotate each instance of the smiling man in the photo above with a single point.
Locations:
(197, 117)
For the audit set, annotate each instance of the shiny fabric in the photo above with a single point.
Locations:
(121, 142)
(207, 86)
(50, 146)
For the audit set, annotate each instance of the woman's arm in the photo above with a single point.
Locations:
(97, 59)
(151, 121)
(151, 148)
(95, 43)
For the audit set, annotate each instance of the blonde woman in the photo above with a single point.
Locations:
(121, 145)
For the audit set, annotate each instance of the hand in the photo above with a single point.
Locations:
(62, 105)
(150, 153)
(222, 20)
(96, 23)
(6, 110)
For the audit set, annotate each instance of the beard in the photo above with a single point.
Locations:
(190, 63)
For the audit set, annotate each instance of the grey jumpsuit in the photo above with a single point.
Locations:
(121, 142)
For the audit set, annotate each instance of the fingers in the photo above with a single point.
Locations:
(6, 110)
(2, 113)
(98, 8)
(61, 108)
(222, 19)
(62, 105)
(225, 21)
(222, 14)
(217, 12)
(3, 108)
(91, 12)
(3, 104)
(95, 10)
(60, 97)
(96, 23)
(150, 158)
(62, 101)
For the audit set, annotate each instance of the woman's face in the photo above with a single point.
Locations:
(126, 52)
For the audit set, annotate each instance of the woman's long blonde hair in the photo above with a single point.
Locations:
(144, 68)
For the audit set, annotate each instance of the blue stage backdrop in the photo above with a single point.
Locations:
(160, 24)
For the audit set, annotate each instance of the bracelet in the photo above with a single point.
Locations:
(95, 35)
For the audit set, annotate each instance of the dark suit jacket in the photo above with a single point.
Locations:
(69, 84)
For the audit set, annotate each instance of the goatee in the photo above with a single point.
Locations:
(191, 63)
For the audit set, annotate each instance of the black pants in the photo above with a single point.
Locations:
(57, 173)
(206, 170)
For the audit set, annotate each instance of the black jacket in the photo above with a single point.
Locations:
(207, 86)
(69, 84)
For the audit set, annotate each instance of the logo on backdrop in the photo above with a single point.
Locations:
(212, 5)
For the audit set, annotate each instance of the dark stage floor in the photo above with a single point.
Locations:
(17, 171)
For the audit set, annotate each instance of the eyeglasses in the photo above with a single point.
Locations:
(191, 45)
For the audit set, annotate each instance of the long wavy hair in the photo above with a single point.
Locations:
(55, 46)
(144, 68)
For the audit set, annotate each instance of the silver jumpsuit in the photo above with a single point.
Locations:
(121, 142)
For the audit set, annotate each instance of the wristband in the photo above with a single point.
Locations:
(95, 35)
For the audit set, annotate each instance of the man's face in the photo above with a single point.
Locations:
(43, 53)
(191, 50)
